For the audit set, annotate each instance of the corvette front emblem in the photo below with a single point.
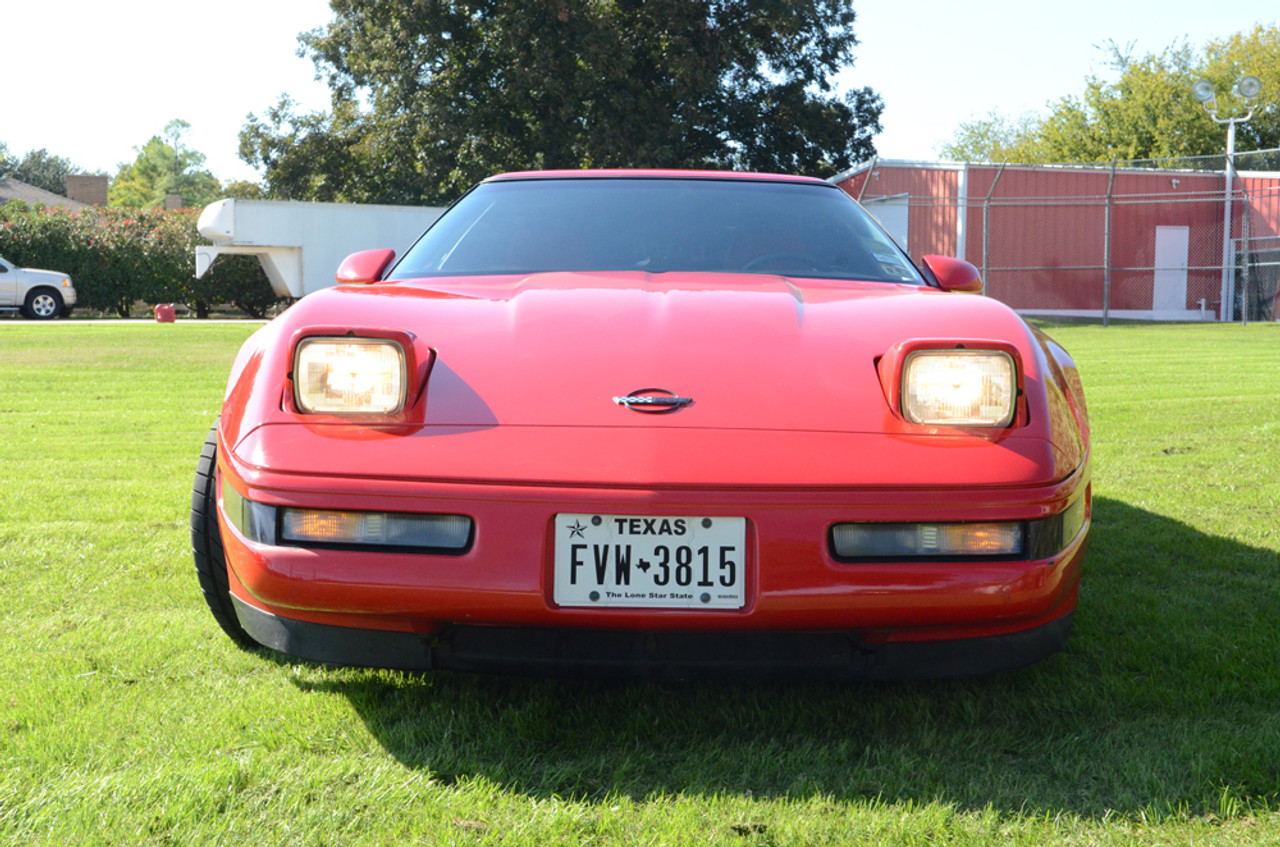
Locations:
(653, 401)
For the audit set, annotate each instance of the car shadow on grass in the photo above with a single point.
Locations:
(1166, 701)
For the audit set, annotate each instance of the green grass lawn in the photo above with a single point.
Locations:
(126, 716)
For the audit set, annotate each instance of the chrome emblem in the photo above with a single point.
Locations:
(653, 401)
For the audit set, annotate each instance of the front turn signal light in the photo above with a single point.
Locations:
(926, 540)
(450, 533)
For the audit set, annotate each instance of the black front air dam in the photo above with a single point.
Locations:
(532, 651)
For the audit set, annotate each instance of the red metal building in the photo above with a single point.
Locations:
(1089, 240)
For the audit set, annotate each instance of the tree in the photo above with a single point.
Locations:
(164, 166)
(427, 98)
(39, 168)
(1256, 52)
(994, 138)
(243, 189)
(1146, 113)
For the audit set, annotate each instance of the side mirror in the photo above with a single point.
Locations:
(365, 266)
(954, 274)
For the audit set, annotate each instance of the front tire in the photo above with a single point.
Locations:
(42, 304)
(206, 543)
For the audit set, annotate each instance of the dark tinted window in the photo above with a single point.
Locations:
(657, 225)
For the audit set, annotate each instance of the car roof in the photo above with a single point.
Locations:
(620, 173)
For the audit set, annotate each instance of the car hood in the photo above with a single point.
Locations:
(751, 351)
(40, 275)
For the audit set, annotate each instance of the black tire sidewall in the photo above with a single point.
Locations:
(206, 543)
(30, 312)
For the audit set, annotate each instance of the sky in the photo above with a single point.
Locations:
(91, 80)
(937, 63)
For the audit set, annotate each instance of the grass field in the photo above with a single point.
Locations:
(127, 717)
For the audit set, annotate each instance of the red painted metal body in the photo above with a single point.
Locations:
(165, 313)
(513, 430)
(794, 426)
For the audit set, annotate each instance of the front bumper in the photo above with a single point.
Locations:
(492, 606)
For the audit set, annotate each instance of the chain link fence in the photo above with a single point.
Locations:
(1133, 239)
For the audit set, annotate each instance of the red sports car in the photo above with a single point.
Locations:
(658, 423)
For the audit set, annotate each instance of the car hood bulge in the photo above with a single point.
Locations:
(748, 351)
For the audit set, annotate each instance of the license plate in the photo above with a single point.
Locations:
(650, 562)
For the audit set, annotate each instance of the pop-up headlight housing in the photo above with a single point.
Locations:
(349, 376)
(959, 387)
(962, 383)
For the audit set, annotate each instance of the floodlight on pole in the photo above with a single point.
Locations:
(1247, 88)
(1202, 91)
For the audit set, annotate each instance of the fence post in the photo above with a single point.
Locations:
(1244, 249)
(871, 170)
(1106, 249)
(986, 223)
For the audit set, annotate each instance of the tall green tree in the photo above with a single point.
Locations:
(993, 138)
(1146, 113)
(428, 97)
(243, 189)
(39, 168)
(164, 165)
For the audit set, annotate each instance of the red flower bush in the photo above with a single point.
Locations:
(117, 257)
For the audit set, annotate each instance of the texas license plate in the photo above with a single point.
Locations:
(650, 562)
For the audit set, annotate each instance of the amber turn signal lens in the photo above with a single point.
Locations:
(926, 540)
(382, 529)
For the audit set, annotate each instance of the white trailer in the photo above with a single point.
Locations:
(300, 245)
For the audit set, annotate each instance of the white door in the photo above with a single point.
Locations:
(1170, 293)
(892, 213)
(8, 286)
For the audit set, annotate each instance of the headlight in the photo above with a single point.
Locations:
(349, 376)
(959, 388)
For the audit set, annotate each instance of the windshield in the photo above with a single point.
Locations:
(657, 225)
